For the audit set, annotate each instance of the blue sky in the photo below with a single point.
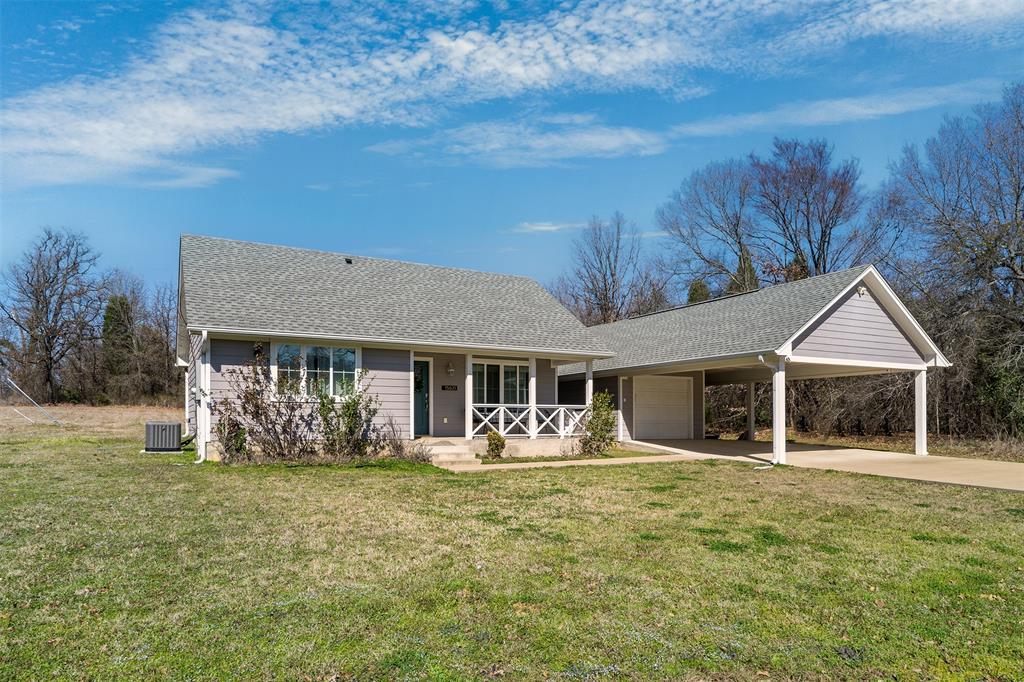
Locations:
(462, 133)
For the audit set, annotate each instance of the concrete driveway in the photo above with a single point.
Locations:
(959, 471)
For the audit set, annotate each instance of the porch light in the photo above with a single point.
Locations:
(450, 369)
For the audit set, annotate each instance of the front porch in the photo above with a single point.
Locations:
(495, 392)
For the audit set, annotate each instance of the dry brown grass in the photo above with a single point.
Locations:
(116, 420)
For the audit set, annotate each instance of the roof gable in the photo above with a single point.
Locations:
(242, 286)
(744, 324)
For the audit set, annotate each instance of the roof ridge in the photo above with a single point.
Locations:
(343, 254)
(736, 295)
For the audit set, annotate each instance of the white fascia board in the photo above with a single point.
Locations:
(892, 304)
(809, 360)
(434, 346)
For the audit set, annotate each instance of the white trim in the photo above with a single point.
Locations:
(921, 412)
(588, 387)
(531, 392)
(889, 301)
(430, 392)
(810, 360)
(303, 350)
(438, 346)
(469, 396)
(779, 412)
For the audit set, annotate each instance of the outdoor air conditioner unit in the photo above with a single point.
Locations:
(163, 436)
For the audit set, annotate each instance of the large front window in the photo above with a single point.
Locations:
(500, 383)
(313, 369)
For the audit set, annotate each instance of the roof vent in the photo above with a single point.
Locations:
(348, 261)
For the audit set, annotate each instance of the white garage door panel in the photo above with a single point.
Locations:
(663, 407)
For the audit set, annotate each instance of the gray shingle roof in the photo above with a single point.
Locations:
(754, 322)
(240, 285)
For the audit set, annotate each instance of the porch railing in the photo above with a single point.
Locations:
(552, 421)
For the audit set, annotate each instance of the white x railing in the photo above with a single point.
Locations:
(553, 421)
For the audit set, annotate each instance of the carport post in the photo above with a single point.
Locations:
(921, 412)
(590, 382)
(750, 411)
(779, 413)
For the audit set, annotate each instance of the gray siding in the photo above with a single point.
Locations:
(547, 377)
(857, 328)
(226, 357)
(195, 349)
(388, 375)
(450, 405)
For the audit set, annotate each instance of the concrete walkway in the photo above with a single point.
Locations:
(959, 471)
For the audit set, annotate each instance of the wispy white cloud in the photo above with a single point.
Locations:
(546, 227)
(559, 138)
(522, 143)
(232, 75)
(842, 110)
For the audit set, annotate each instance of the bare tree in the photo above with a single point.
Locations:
(710, 222)
(53, 297)
(610, 279)
(808, 207)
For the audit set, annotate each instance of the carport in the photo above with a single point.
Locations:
(847, 323)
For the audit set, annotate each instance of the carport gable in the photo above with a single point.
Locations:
(865, 325)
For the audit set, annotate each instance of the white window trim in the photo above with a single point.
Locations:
(303, 346)
(502, 364)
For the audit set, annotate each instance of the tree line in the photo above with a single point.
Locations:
(946, 229)
(71, 332)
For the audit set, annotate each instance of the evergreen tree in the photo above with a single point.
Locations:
(118, 330)
(745, 277)
(699, 291)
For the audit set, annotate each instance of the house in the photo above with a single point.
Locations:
(457, 353)
(448, 352)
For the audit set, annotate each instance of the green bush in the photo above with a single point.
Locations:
(599, 432)
(495, 444)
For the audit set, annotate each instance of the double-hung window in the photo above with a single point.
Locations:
(314, 369)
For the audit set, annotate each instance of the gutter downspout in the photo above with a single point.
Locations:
(200, 393)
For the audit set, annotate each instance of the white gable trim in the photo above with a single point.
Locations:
(888, 299)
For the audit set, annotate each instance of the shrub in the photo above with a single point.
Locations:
(346, 424)
(394, 446)
(233, 438)
(495, 444)
(599, 431)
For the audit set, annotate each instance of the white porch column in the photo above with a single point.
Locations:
(921, 412)
(779, 413)
(469, 396)
(532, 419)
(750, 411)
(589, 394)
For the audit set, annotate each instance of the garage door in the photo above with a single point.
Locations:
(662, 407)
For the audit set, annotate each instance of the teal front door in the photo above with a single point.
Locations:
(421, 397)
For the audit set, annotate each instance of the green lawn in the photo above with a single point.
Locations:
(120, 565)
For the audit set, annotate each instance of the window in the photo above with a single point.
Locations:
(318, 369)
(315, 369)
(289, 368)
(500, 383)
(344, 380)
